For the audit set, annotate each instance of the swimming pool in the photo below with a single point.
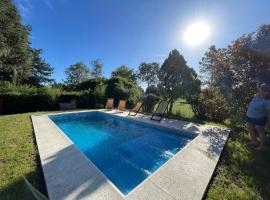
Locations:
(124, 150)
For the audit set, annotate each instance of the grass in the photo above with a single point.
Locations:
(242, 173)
(18, 156)
(182, 110)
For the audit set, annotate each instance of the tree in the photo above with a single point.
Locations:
(236, 70)
(121, 88)
(124, 72)
(41, 70)
(15, 52)
(97, 68)
(76, 74)
(176, 79)
(152, 90)
(148, 72)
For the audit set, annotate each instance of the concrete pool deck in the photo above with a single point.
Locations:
(69, 174)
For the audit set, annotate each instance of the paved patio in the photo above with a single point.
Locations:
(70, 175)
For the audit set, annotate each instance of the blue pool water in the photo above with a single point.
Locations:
(127, 152)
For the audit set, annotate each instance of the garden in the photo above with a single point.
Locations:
(219, 95)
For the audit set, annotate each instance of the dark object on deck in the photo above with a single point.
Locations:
(160, 111)
(136, 109)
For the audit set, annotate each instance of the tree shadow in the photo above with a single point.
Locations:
(217, 138)
(69, 172)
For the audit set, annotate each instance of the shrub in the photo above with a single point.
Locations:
(149, 102)
(20, 103)
(120, 88)
(86, 99)
(197, 105)
(213, 105)
(99, 94)
(152, 89)
(91, 84)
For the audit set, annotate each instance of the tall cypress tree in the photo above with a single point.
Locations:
(15, 52)
(175, 78)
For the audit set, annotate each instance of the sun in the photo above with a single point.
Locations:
(196, 33)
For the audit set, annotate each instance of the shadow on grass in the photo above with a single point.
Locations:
(242, 171)
(18, 188)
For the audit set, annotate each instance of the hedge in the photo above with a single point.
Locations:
(20, 103)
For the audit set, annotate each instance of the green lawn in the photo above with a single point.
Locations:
(242, 173)
(182, 110)
(18, 156)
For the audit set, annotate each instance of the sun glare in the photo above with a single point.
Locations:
(196, 33)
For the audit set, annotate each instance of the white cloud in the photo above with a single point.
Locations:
(24, 7)
(51, 3)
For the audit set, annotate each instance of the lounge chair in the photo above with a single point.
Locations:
(136, 109)
(109, 104)
(121, 106)
(160, 111)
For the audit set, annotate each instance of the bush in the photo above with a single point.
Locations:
(121, 89)
(212, 105)
(91, 84)
(99, 95)
(19, 99)
(152, 89)
(20, 103)
(197, 106)
(149, 102)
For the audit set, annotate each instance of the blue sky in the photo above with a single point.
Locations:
(126, 32)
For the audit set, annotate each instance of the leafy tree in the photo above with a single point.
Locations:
(41, 70)
(76, 74)
(176, 79)
(15, 52)
(152, 90)
(148, 72)
(91, 84)
(120, 88)
(97, 68)
(149, 102)
(236, 70)
(124, 72)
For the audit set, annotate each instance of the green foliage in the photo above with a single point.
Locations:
(91, 84)
(121, 89)
(237, 69)
(176, 79)
(19, 156)
(99, 94)
(15, 54)
(152, 89)
(124, 72)
(97, 68)
(21, 103)
(41, 70)
(210, 104)
(243, 173)
(89, 94)
(149, 102)
(148, 72)
(76, 74)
